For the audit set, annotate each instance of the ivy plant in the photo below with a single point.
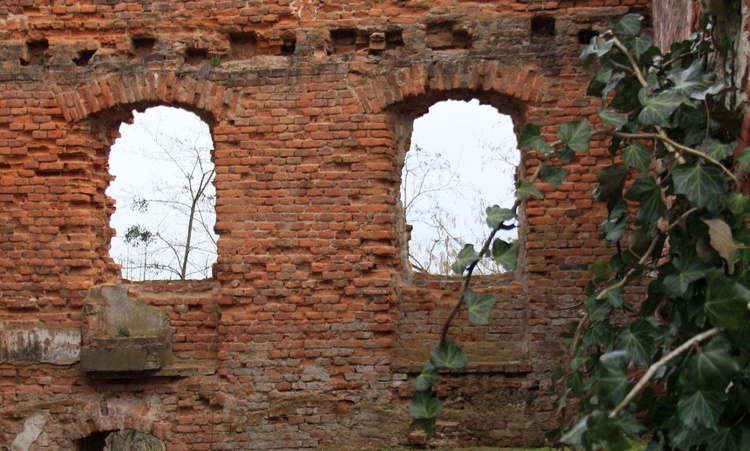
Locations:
(663, 346)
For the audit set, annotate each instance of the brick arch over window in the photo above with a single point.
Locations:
(406, 94)
(519, 83)
(94, 111)
(98, 96)
(104, 416)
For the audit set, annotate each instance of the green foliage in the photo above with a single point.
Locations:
(678, 366)
(688, 346)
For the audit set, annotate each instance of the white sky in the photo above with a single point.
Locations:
(143, 168)
(468, 156)
(479, 144)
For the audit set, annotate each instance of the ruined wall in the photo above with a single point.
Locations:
(312, 327)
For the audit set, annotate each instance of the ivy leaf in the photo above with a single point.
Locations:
(718, 150)
(425, 380)
(703, 185)
(744, 156)
(689, 81)
(613, 378)
(713, 367)
(658, 108)
(448, 355)
(647, 193)
(576, 135)
(724, 439)
(613, 118)
(640, 45)
(553, 175)
(689, 269)
(424, 406)
(525, 189)
(597, 309)
(611, 183)
(597, 48)
(479, 306)
(565, 154)
(600, 271)
(531, 138)
(614, 229)
(638, 341)
(505, 254)
(700, 408)
(496, 216)
(726, 301)
(637, 156)
(738, 204)
(465, 258)
(614, 84)
(722, 242)
(628, 26)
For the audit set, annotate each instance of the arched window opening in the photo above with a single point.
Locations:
(165, 197)
(462, 159)
(124, 440)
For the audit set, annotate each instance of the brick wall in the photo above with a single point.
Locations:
(312, 327)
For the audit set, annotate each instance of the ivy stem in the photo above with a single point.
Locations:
(663, 361)
(632, 60)
(483, 251)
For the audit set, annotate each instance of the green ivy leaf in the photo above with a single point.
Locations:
(479, 306)
(496, 216)
(614, 229)
(640, 45)
(613, 118)
(565, 154)
(658, 108)
(724, 439)
(555, 176)
(637, 156)
(689, 81)
(424, 406)
(713, 367)
(465, 258)
(597, 309)
(738, 204)
(703, 185)
(576, 135)
(426, 378)
(612, 377)
(689, 269)
(525, 189)
(611, 183)
(448, 355)
(531, 138)
(605, 433)
(726, 301)
(600, 271)
(505, 254)
(638, 341)
(718, 150)
(700, 408)
(647, 193)
(598, 47)
(744, 156)
(628, 26)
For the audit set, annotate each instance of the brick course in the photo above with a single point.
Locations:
(312, 327)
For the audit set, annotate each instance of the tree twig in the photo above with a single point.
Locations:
(663, 361)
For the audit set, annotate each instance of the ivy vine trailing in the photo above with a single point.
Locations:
(663, 347)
